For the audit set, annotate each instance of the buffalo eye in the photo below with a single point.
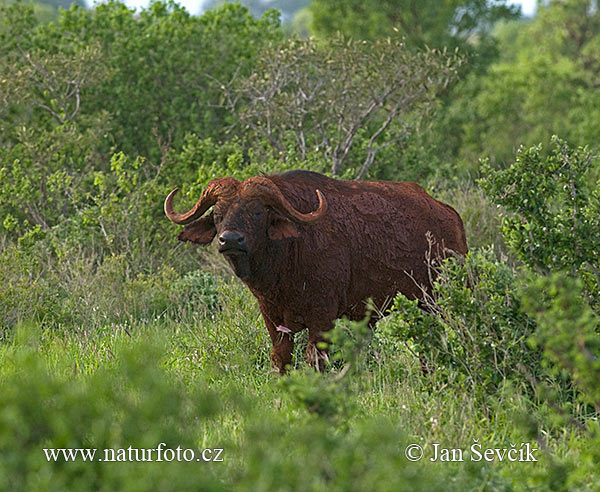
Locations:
(258, 213)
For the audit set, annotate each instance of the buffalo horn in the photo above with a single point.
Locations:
(265, 190)
(216, 189)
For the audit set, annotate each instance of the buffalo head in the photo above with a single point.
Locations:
(247, 218)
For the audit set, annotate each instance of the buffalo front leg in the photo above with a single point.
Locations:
(281, 355)
(283, 344)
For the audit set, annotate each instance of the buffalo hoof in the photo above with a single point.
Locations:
(279, 364)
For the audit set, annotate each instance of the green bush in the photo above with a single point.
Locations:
(173, 60)
(557, 53)
(70, 121)
(90, 292)
(568, 331)
(132, 402)
(471, 329)
(201, 160)
(552, 226)
(137, 395)
(369, 457)
(553, 211)
(114, 334)
(568, 334)
(345, 100)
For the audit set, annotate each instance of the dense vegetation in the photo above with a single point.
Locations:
(114, 335)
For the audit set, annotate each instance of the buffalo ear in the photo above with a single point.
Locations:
(282, 228)
(201, 231)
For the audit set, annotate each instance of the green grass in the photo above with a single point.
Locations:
(201, 379)
(111, 351)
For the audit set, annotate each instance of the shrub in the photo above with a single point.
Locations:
(135, 395)
(334, 97)
(568, 334)
(472, 328)
(553, 211)
(131, 402)
(89, 292)
(328, 395)
(368, 457)
(568, 331)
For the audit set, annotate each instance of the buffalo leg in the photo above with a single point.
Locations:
(283, 345)
(281, 355)
(315, 355)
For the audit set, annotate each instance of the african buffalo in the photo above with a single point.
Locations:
(312, 248)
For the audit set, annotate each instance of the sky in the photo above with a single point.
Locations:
(194, 6)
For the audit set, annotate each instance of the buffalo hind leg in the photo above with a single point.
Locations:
(315, 355)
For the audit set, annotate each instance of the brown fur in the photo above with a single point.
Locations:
(371, 243)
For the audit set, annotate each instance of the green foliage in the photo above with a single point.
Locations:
(113, 334)
(64, 114)
(319, 394)
(172, 59)
(518, 114)
(554, 208)
(471, 329)
(155, 52)
(44, 178)
(65, 4)
(88, 291)
(552, 226)
(258, 7)
(326, 395)
(136, 396)
(370, 457)
(131, 402)
(432, 23)
(568, 331)
(479, 214)
(202, 160)
(543, 83)
(44, 12)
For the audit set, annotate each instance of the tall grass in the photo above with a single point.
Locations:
(99, 351)
(184, 359)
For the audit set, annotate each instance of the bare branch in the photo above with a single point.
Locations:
(322, 98)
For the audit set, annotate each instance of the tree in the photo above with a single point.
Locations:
(64, 4)
(545, 82)
(160, 61)
(331, 98)
(258, 7)
(447, 23)
(47, 10)
(74, 92)
(464, 24)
